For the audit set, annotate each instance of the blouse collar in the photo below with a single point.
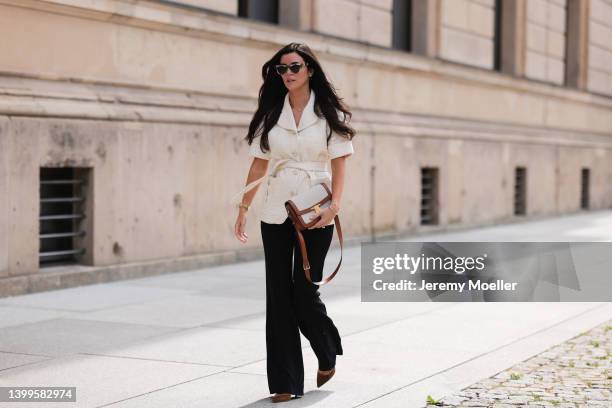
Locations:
(308, 118)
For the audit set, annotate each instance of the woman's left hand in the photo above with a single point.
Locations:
(327, 215)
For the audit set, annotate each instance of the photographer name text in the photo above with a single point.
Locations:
(405, 284)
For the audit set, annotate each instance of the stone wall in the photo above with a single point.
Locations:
(600, 47)
(546, 28)
(159, 111)
(467, 29)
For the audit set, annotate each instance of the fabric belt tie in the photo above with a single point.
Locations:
(310, 167)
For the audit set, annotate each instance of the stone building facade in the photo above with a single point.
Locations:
(122, 122)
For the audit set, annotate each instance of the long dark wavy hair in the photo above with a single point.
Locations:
(272, 96)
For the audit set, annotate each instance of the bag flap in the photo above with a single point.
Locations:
(310, 197)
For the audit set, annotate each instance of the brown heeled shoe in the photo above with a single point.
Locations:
(281, 397)
(322, 378)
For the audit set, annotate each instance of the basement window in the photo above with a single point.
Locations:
(520, 191)
(429, 196)
(62, 212)
(585, 181)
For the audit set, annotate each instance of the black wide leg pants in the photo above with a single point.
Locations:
(293, 304)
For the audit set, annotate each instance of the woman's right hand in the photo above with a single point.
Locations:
(239, 227)
(256, 172)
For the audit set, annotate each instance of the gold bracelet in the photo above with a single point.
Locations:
(243, 205)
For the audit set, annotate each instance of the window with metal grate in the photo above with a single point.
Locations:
(61, 215)
(520, 191)
(585, 181)
(429, 196)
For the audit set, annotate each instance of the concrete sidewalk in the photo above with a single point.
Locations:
(197, 339)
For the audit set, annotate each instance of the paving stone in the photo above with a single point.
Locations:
(576, 373)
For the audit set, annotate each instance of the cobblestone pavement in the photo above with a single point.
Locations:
(577, 373)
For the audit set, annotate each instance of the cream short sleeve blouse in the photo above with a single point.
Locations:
(307, 153)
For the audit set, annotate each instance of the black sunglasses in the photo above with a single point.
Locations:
(281, 69)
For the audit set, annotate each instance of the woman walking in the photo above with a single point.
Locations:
(301, 124)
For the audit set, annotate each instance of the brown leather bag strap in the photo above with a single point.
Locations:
(306, 264)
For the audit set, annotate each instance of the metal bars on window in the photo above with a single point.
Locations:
(61, 215)
(429, 195)
(520, 191)
(585, 181)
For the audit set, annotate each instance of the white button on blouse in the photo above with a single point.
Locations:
(304, 153)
